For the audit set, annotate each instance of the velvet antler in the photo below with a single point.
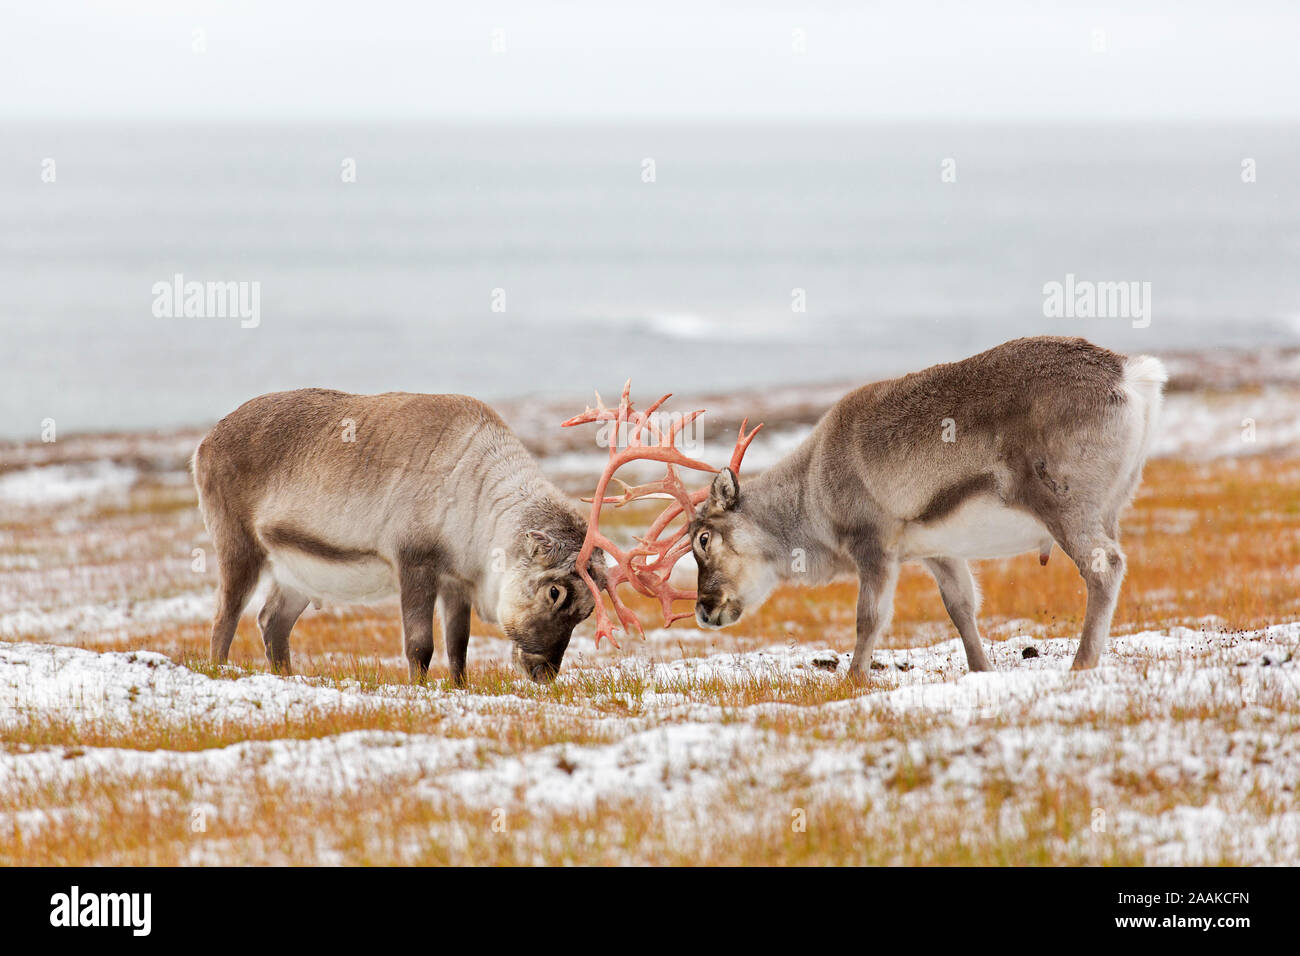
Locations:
(644, 441)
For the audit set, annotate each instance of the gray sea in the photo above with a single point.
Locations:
(551, 260)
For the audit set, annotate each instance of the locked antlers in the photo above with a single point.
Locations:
(644, 440)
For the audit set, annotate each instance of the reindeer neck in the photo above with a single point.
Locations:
(778, 502)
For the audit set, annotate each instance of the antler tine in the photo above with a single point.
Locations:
(648, 421)
(590, 415)
(631, 493)
(600, 413)
(671, 513)
(631, 567)
(742, 444)
(681, 423)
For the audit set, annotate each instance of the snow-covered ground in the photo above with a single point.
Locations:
(669, 741)
(1183, 747)
(107, 621)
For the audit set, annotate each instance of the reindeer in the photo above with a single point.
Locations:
(352, 498)
(1036, 441)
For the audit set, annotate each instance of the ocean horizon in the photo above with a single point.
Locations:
(549, 260)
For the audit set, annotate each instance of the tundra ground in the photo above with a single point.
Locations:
(120, 744)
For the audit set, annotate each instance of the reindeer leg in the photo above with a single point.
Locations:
(240, 559)
(454, 611)
(1101, 563)
(877, 577)
(276, 619)
(418, 586)
(957, 588)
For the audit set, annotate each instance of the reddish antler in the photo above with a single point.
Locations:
(633, 567)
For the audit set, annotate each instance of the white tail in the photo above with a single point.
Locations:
(1144, 380)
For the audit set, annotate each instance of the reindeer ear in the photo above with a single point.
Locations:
(725, 491)
(544, 545)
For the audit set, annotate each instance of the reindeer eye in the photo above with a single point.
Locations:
(557, 593)
(703, 540)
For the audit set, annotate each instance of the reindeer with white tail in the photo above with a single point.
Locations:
(1034, 442)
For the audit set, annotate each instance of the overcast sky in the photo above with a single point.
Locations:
(911, 59)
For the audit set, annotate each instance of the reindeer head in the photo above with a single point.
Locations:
(730, 553)
(543, 598)
(647, 566)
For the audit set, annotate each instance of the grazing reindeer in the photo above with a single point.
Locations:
(1035, 441)
(355, 497)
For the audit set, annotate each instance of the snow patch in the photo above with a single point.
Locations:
(88, 688)
(59, 484)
